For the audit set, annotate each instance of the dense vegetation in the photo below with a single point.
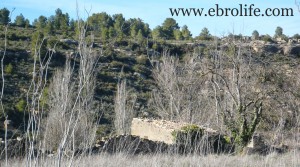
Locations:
(169, 74)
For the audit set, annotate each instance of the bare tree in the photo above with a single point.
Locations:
(70, 124)
(34, 107)
(226, 82)
(3, 113)
(180, 89)
(235, 78)
(80, 119)
(124, 108)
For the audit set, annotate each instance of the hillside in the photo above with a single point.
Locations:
(134, 62)
(82, 81)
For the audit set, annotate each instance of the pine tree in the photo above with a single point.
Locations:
(140, 38)
(157, 33)
(169, 26)
(4, 16)
(20, 20)
(104, 34)
(204, 35)
(49, 29)
(186, 33)
(278, 32)
(41, 22)
(255, 35)
(178, 35)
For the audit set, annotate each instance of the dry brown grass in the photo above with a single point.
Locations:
(275, 160)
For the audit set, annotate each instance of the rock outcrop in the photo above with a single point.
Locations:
(276, 48)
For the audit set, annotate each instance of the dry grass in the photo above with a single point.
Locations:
(275, 160)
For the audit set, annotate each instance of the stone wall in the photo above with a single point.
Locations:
(159, 130)
(155, 130)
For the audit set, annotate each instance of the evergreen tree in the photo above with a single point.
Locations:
(147, 30)
(4, 16)
(20, 20)
(104, 34)
(111, 32)
(99, 21)
(255, 35)
(204, 35)
(72, 25)
(178, 35)
(140, 38)
(296, 36)
(157, 33)
(119, 21)
(186, 33)
(64, 23)
(41, 22)
(278, 32)
(133, 31)
(169, 26)
(58, 17)
(27, 23)
(49, 29)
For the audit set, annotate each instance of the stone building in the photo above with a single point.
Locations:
(157, 130)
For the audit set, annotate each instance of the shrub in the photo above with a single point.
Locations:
(8, 69)
(267, 38)
(44, 98)
(194, 139)
(20, 106)
(188, 132)
(142, 60)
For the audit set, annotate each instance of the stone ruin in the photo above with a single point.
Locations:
(159, 130)
(155, 130)
(206, 141)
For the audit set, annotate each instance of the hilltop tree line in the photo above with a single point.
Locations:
(105, 26)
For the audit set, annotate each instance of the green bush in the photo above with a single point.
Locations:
(190, 133)
(267, 38)
(13, 37)
(142, 60)
(8, 69)
(20, 106)
(44, 98)
(117, 64)
(227, 139)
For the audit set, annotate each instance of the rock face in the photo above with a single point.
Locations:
(285, 48)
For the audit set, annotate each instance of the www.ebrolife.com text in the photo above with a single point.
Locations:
(240, 10)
